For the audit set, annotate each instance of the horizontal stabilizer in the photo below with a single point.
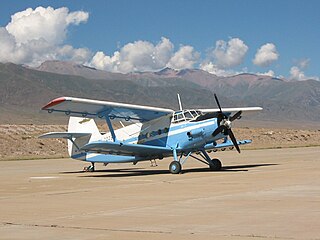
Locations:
(66, 135)
(127, 149)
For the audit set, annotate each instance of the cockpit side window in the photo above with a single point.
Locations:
(194, 113)
(180, 117)
(188, 115)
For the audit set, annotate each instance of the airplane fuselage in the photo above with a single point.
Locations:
(184, 136)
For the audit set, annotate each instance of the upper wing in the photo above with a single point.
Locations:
(94, 108)
(231, 110)
(127, 149)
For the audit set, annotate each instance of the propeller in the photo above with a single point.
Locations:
(225, 124)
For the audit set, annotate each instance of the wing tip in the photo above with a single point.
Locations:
(54, 102)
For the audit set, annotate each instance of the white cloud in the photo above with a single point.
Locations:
(104, 62)
(78, 55)
(33, 36)
(47, 23)
(8, 49)
(214, 69)
(297, 72)
(136, 56)
(224, 56)
(269, 73)
(76, 17)
(266, 55)
(185, 57)
(229, 54)
(163, 52)
(145, 56)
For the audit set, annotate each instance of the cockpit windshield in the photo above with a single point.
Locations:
(185, 115)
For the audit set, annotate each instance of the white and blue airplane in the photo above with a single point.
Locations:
(151, 133)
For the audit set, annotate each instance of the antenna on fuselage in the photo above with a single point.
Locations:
(179, 101)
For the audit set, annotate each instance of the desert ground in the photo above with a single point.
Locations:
(259, 194)
(22, 142)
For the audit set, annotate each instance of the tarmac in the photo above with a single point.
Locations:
(259, 194)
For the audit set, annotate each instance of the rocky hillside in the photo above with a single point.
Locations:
(24, 91)
(281, 99)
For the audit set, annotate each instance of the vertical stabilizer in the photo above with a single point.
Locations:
(82, 125)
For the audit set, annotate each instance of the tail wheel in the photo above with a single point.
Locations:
(175, 167)
(215, 165)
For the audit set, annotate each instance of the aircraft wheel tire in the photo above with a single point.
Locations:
(175, 167)
(216, 164)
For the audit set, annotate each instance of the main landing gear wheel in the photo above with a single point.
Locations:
(215, 165)
(175, 167)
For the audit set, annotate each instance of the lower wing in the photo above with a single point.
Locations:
(126, 149)
(65, 135)
(226, 144)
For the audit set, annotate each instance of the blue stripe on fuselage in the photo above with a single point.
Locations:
(171, 138)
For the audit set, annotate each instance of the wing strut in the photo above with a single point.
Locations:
(111, 128)
(179, 101)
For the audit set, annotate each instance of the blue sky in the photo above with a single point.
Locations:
(292, 27)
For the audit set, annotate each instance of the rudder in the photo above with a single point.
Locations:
(82, 125)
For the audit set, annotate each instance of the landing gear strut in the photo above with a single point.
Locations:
(176, 165)
(90, 168)
(153, 163)
(214, 164)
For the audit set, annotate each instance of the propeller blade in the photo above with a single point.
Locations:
(215, 96)
(218, 130)
(234, 117)
(224, 128)
(234, 140)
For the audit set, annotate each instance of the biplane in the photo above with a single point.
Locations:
(149, 133)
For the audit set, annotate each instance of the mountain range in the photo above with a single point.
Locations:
(25, 90)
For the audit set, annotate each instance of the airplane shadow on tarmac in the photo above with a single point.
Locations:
(130, 172)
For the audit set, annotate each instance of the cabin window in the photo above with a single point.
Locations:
(194, 113)
(188, 115)
(180, 117)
